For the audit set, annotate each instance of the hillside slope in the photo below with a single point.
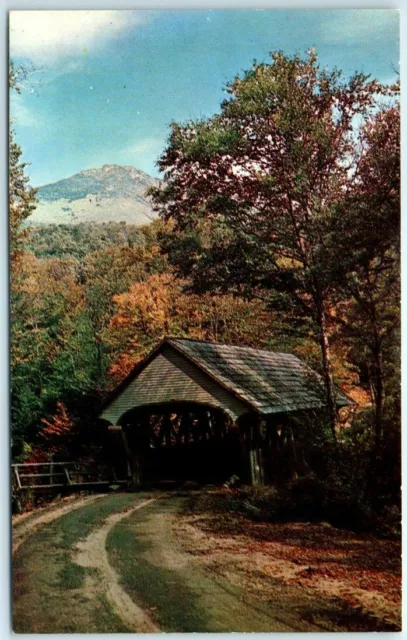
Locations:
(110, 193)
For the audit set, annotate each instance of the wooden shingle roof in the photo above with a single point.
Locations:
(270, 382)
(237, 379)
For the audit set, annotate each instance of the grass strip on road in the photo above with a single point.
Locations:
(159, 590)
(48, 587)
(160, 577)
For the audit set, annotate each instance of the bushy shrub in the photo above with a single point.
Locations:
(309, 499)
(22, 501)
(389, 522)
(306, 498)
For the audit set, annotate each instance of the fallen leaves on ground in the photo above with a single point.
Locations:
(362, 571)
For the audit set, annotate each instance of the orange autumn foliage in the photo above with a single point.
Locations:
(54, 436)
(159, 307)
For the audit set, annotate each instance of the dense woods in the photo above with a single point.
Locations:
(279, 229)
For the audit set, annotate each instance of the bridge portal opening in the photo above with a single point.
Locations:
(181, 442)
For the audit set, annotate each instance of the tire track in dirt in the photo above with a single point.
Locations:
(91, 553)
(28, 524)
(184, 596)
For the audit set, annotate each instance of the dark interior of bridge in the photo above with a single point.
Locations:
(183, 442)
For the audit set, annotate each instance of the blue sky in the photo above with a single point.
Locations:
(106, 84)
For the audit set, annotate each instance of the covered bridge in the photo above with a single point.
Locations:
(201, 411)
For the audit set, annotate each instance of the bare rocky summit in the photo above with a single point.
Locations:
(110, 193)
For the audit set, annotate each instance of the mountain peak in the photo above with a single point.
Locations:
(110, 168)
(120, 167)
(111, 192)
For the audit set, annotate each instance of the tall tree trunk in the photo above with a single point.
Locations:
(99, 362)
(376, 469)
(327, 369)
(379, 395)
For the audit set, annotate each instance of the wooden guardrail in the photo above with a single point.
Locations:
(48, 475)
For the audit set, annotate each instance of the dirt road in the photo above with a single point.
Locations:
(121, 563)
(26, 524)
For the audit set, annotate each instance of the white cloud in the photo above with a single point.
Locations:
(41, 35)
(149, 145)
(21, 115)
(358, 24)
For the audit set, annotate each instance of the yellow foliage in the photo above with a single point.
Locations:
(159, 307)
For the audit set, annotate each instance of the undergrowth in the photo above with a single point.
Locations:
(307, 499)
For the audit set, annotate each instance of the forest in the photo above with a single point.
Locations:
(278, 228)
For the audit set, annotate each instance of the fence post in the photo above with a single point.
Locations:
(68, 479)
(17, 477)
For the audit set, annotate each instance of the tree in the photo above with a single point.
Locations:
(17, 75)
(61, 309)
(45, 308)
(368, 221)
(55, 436)
(22, 200)
(257, 186)
(158, 307)
(22, 197)
(103, 275)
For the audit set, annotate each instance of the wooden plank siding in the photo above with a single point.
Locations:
(171, 377)
(248, 384)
